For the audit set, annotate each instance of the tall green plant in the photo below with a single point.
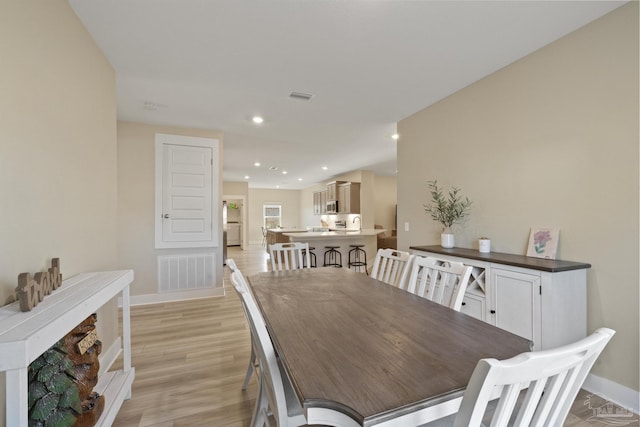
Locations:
(53, 395)
(447, 210)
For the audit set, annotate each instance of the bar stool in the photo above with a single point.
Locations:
(312, 256)
(332, 257)
(358, 257)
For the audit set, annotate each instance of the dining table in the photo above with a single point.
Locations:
(358, 351)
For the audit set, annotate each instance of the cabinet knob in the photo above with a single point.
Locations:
(464, 303)
(493, 312)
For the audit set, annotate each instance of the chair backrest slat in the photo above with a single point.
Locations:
(289, 256)
(391, 266)
(444, 282)
(553, 378)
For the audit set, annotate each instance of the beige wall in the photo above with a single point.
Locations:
(57, 150)
(235, 188)
(290, 201)
(385, 200)
(551, 140)
(136, 199)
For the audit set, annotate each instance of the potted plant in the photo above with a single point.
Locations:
(447, 210)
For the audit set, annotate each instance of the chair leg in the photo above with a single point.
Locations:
(259, 418)
(252, 362)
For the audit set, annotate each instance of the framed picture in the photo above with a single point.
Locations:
(543, 243)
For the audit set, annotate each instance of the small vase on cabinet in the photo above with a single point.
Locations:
(447, 239)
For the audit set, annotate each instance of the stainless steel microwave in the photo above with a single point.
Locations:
(332, 207)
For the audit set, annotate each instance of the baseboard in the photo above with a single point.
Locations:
(613, 392)
(108, 357)
(174, 296)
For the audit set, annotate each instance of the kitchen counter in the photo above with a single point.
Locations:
(276, 235)
(346, 234)
(287, 230)
(342, 239)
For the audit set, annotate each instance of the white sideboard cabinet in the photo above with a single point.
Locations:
(538, 299)
(26, 335)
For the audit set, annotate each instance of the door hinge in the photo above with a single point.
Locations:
(540, 287)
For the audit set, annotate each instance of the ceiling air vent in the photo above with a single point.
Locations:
(300, 95)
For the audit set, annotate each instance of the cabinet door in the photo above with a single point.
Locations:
(331, 191)
(354, 198)
(323, 202)
(473, 305)
(343, 198)
(516, 303)
(317, 200)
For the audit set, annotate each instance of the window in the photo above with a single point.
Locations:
(272, 216)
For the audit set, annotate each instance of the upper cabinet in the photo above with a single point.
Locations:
(332, 190)
(340, 197)
(349, 198)
(320, 202)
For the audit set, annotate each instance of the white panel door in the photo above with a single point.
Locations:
(517, 303)
(185, 196)
(186, 199)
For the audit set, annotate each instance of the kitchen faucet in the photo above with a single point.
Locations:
(359, 222)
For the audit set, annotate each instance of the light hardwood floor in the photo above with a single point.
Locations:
(191, 357)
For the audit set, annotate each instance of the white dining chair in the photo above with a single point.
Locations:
(276, 396)
(444, 282)
(392, 266)
(553, 378)
(232, 264)
(289, 256)
(253, 362)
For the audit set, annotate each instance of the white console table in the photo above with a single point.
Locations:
(26, 335)
(539, 299)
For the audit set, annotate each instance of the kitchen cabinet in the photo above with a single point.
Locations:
(509, 286)
(474, 304)
(539, 299)
(320, 202)
(276, 235)
(332, 190)
(349, 198)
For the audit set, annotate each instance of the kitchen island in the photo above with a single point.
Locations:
(342, 239)
(276, 235)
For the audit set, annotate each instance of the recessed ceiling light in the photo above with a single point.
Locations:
(246, 177)
(284, 172)
(257, 119)
(395, 136)
(256, 164)
(277, 186)
(324, 168)
(299, 179)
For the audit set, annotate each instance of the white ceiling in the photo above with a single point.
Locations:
(213, 64)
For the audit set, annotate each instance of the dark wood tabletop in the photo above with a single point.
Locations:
(367, 349)
(541, 264)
